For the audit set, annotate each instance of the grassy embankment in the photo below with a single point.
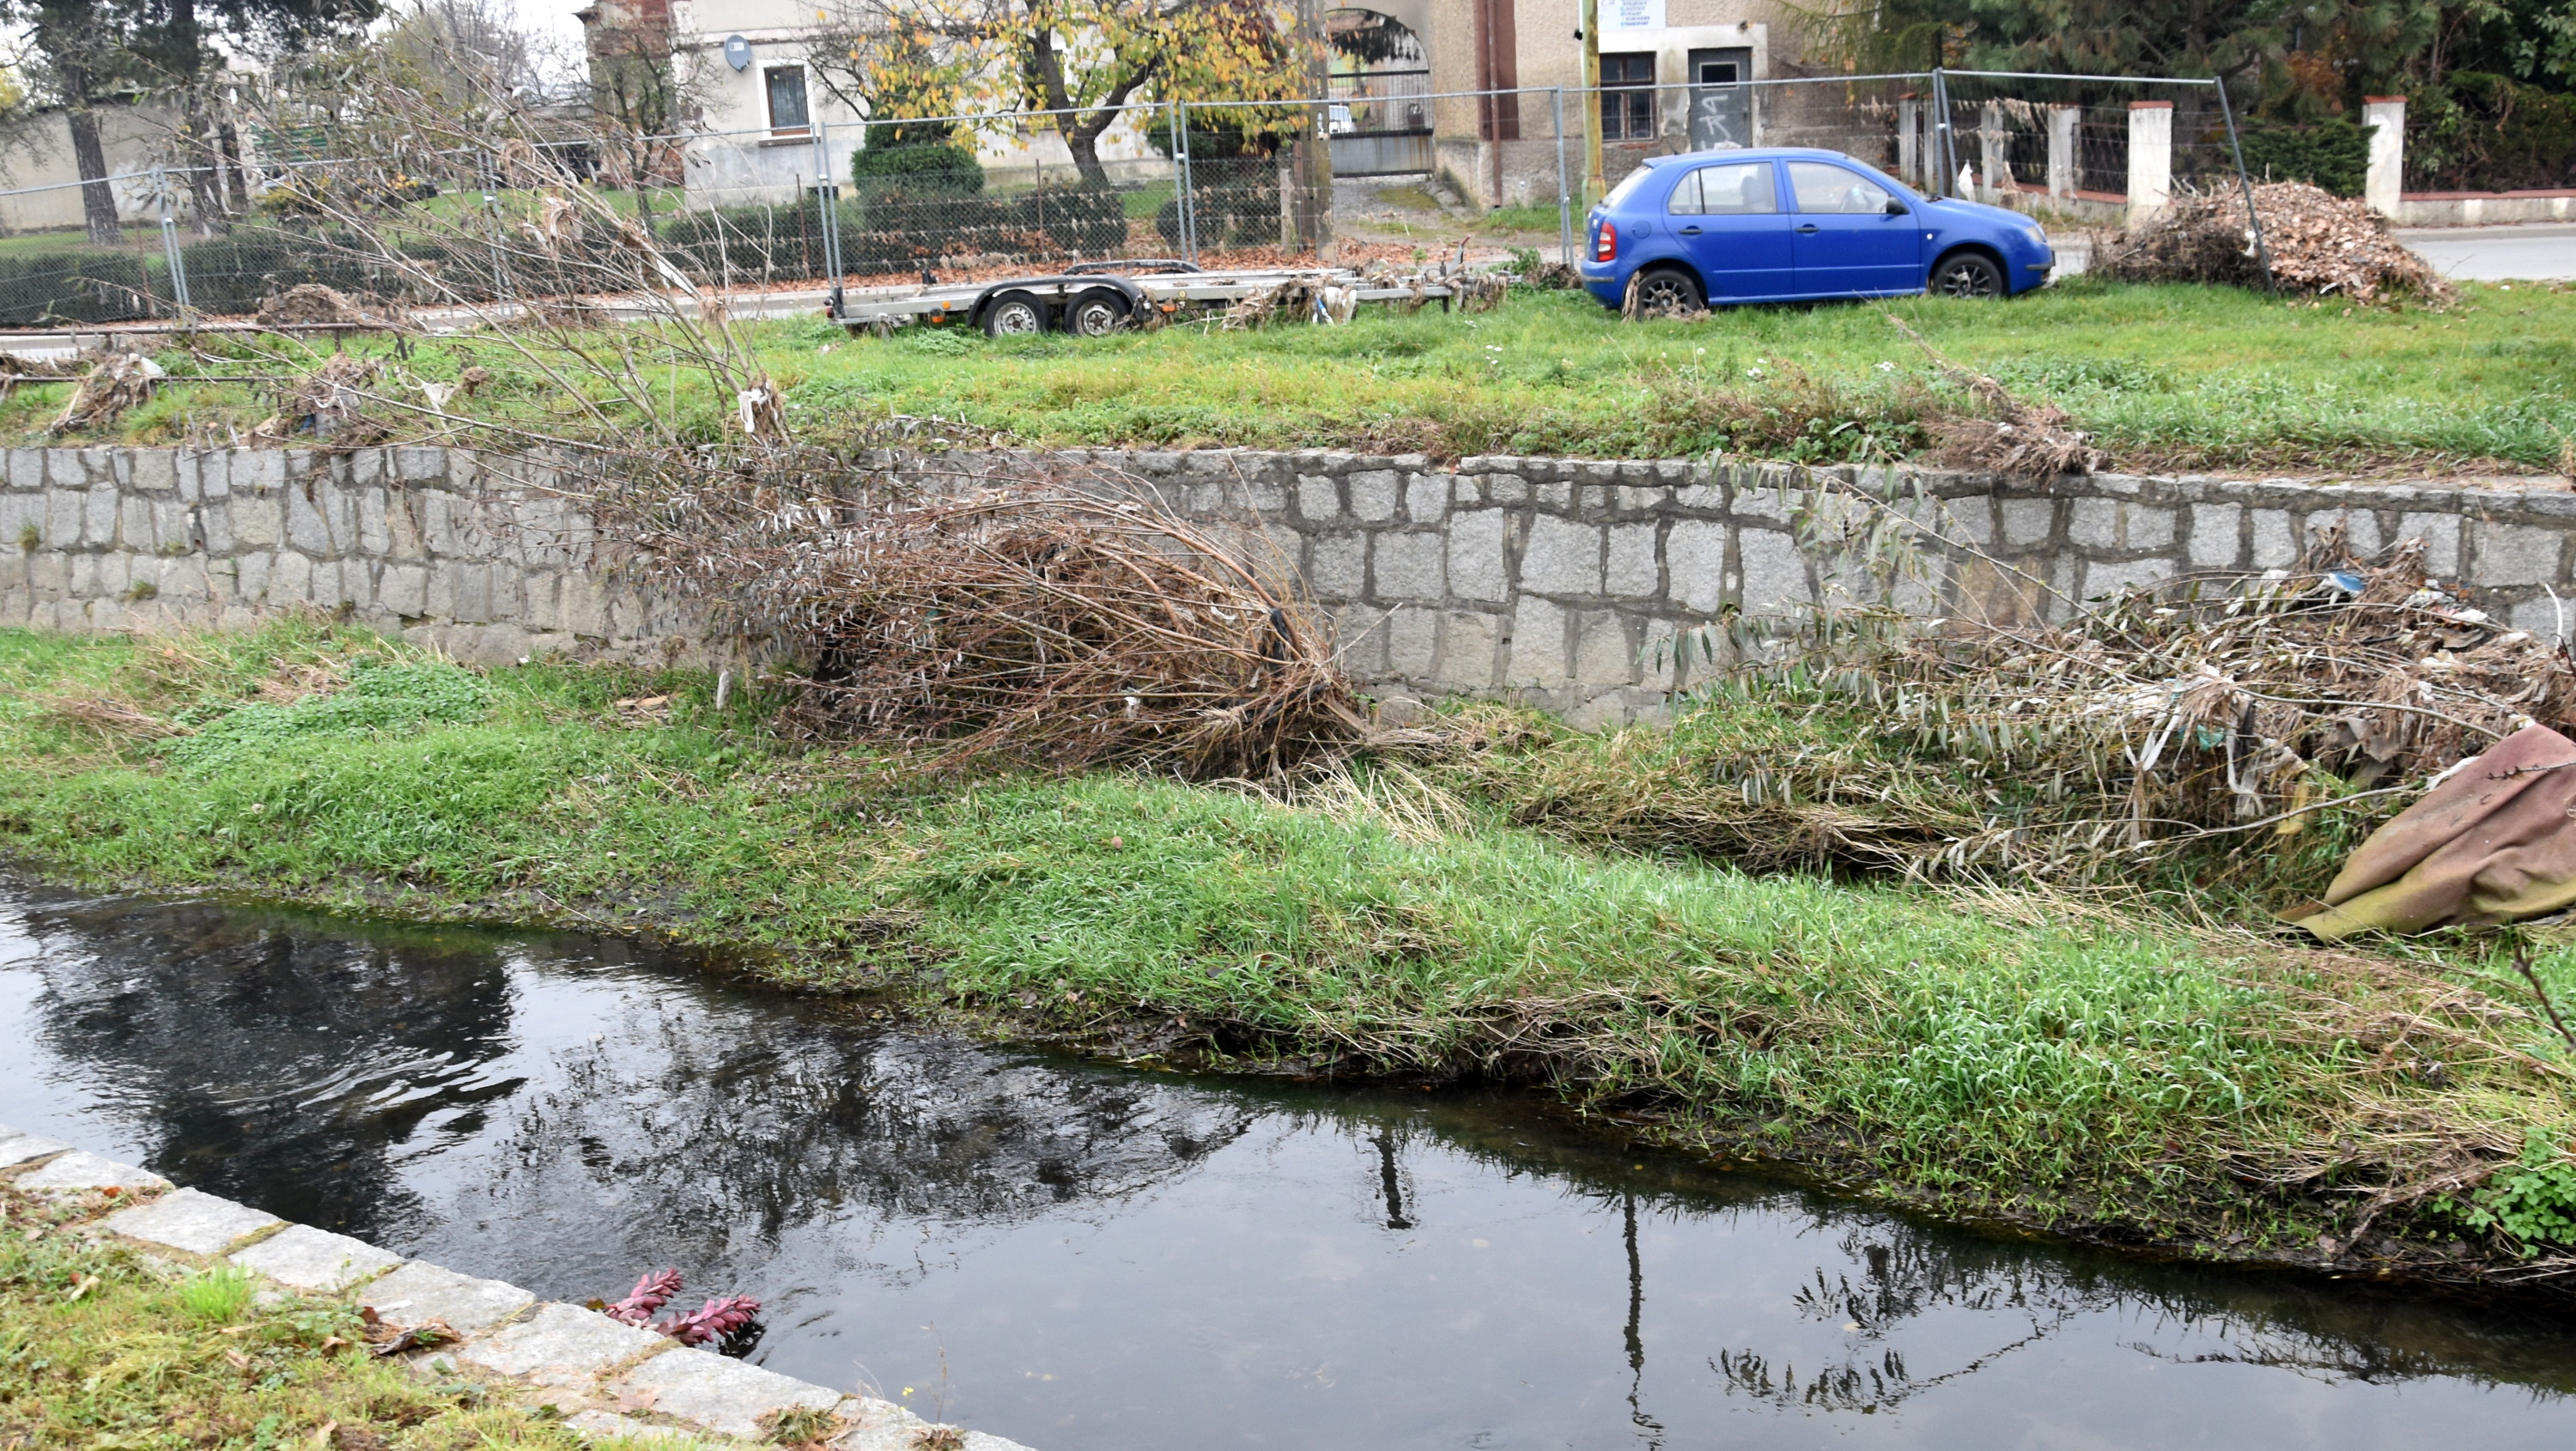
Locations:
(1986, 1057)
(2167, 377)
(103, 1348)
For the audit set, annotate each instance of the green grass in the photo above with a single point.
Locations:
(102, 1348)
(2165, 376)
(1990, 1056)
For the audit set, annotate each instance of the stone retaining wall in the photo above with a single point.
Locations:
(439, 545)
(1564, 582)
(1557, 581)
(597, 1371)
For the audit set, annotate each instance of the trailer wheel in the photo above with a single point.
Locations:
(1014, 314)
(1096, 313)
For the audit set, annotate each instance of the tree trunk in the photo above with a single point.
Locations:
(205, 163)
(228, 138)
(98, 203)
(1083, 141)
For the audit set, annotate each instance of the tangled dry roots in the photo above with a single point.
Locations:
(2320, 244)
(1034, 621)
(117, 382)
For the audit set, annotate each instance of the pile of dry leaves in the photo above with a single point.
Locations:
(2320, 245)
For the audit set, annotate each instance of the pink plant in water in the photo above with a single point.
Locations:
(651, 1293)
(711, 1321)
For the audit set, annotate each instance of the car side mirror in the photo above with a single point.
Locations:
(1895, 207)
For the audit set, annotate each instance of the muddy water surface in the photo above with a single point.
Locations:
(1083, 1258)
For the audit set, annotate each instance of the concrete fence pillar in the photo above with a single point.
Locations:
(1909, 142)
(2384, 118)
(2061, 149)
(1994, 153)
(2150, 158)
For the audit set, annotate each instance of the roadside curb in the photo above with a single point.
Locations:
(608, 1378)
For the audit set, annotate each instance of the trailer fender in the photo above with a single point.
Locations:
(1056, 291)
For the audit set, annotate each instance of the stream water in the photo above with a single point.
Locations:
(1084, 1258)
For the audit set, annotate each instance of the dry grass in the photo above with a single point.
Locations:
(1062, 619)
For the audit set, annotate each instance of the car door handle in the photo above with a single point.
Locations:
(1690, 231)
(1809, 227)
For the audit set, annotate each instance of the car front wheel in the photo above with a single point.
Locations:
(1969, 275)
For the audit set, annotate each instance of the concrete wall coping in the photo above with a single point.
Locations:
(594, 1369)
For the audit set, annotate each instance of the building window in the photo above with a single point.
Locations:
(787, 114)
(1628, 97)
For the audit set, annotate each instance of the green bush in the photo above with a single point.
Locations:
(2333, 154)
(1236, 204)
(235, 273)
(895, 234)
(73, 285)
(2533, 1202)
(923, 169)
(2479, 132)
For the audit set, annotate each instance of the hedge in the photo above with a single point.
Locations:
(74, 285)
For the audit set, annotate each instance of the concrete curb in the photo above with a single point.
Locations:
(609, 1379)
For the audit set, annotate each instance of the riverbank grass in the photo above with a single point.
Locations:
(101, 1347)
(1992, 1055)
(2164, 377)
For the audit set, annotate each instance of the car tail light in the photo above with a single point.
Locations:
(1605, 244)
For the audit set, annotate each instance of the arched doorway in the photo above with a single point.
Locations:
(1380, 118)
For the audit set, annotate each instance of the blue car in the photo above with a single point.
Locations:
(1716, 227)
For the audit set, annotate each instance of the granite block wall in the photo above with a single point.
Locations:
(1561, 582)
(474, 555)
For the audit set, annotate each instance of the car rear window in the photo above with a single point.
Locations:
(1627, 185)
(1823, 187)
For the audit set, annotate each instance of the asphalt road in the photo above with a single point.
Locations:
(2537, 251)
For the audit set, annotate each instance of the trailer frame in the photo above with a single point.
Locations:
(1093, 299)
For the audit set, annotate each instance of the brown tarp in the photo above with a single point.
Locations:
(2494, 842)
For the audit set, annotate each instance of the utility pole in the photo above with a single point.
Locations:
(1312, 158)
(1594, 188)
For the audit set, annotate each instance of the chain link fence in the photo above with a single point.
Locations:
(1414, 172)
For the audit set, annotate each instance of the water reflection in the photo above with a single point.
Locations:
(1080, 1257)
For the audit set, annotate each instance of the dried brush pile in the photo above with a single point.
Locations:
(2321, 245)
(2254, 728)
(1054, 622)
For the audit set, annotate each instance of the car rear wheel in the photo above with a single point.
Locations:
(1096, 314)
(1667, 289)
(1014, 314)
(1970, 275)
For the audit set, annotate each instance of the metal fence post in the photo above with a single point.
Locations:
(2253, 222)
(170, 242)
(1564, 202)
(1942, 156)
(1189, 218)
(827, 189)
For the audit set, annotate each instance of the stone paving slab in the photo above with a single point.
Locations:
(719, 1394)
(315, 1259)
(653, 1382)
(80, 1170)
(420, 1292)
(877, 1425)
(191, 1220)
(560, 1345)
(17, 1146)
(600, 1425)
